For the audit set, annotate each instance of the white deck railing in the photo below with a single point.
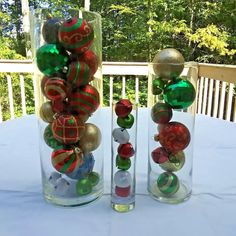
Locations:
(216, 84)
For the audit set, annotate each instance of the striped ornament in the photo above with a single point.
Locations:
(65, 161)
(55, 89)
(76, 35)
(78, 74)
(84, 101)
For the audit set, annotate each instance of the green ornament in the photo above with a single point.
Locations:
(161, 113)
(123, 163)
(83, 186)
(179, 94)
(168, 183)
(126, 122)
(51, 59)
(157, 86)
(94, 178)
(175, 162)
(50, 140)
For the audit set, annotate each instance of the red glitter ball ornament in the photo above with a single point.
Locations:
(160, 155)
(123, 108)
(122, 192)
(125, 150)
(174, 137)
(59, 106)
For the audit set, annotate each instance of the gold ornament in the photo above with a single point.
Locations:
(91, 138)
(46, 112)
(168, 63)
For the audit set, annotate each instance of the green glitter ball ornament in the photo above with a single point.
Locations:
(51, 59)
(126, 122)
(157, 86)
(83, 186)
(94, 178)
(123, 163)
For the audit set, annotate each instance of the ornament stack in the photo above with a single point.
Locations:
(174, 94)
(69, 64)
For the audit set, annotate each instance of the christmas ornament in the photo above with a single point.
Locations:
(123, 108)
(54, 177)
(62, 186)
(179, 94)
(168, 63)
(83, 186)
(66, 160)
(174, 163)
(59, 106)
(78, 74)
(161, 113)
(168, 183)
(55, 89)
(91, 138)
(51, 59)
(46, 113)
(120, 135)
(125, 150)
(160, 155)
(76, 35)
(157, 86)
(68, 129)
(122, 192)
(126, 122)
(85, 100)
(43, 82)
(94, 178)
(123, 163)
(84, 118)
(122, 179)
(174, 137)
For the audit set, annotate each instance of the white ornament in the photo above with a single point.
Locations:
(61, 187)
(122, 179)
(54, 177)
(120, 135)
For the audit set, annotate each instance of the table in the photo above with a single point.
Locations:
(210, 210)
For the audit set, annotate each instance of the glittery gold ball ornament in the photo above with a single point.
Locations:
(168, 63)
(46, 112)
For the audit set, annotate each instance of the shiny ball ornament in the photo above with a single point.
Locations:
(68, 129)
(157, 86)
(62, 186)
(94, 178)
(50, 30)
(126, 122)
(91, 138)
(125, 150)
(55, 89)
(43, 82)
(123, 163)
(59, 106)
(83, 186)
(46, 112)
(120, 135)
(84, 118)
(122, 179)
(78, 74)
(54, 177)
(76, 35)
(168, 183)
(168, 63)
(66, 160)
(174, 137)
(85, 100)
(85, 168)
(123, 108)
(122, 192)
(179, 94)
(161, 113)
(51, 59)
(160, 155)
(174, 163)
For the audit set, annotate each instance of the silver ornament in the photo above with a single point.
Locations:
(120, 135)
(122, 179)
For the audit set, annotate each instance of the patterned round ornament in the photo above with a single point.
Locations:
(67, 160)
(168, 183)
(122, 192)
(122, 178)
(94, 178)
(78, 74)
(51, 59)
(179, 94)
(157, 86)
(68, 129)
(161, 113)
(174, 137)
(160, 155)
(123, 108)
(123, 163)
(83, 186)
(120, 135)
(85, 100)
(125, 150)
(76, 35)
(46, 112)
(126, 122)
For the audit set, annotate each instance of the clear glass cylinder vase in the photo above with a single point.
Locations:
(171, 131)
(67, 54)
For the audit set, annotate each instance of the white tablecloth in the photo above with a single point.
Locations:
(210, 210)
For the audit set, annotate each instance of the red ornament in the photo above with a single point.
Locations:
(122, 192)
(67, 129)
(123, 108)
(125, 150)
(43, 82)
(174, 137)
(160, 155)
(84, 101)
(59, 106)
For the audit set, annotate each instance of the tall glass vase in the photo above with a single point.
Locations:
(67, 53)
